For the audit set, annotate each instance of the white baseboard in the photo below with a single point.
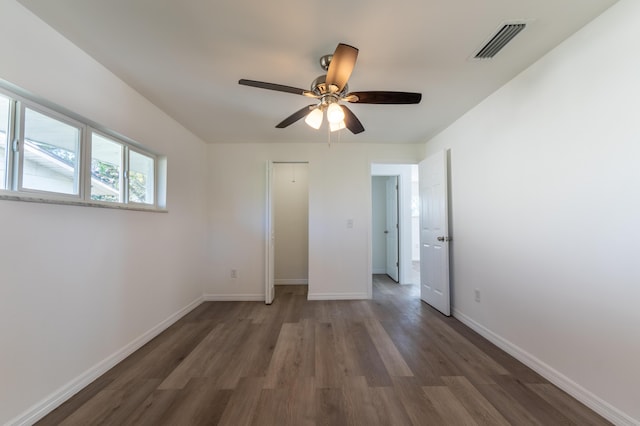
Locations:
(338, 296)
(592, 401)
(51, 402)
(296, 281)
(233, 297)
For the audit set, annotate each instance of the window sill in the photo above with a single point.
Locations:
(79, 203)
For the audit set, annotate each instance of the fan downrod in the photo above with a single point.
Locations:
(325, 61)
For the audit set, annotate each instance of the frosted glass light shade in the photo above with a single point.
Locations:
(337, 126)
(335, 113)
(314, 118)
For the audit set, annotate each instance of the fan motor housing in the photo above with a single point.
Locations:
(319, 86)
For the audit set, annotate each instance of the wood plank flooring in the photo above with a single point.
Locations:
(392, 360)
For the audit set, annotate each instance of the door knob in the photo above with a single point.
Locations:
(444, 238)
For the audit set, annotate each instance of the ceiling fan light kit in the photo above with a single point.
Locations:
(335, 114)
(314, 118)
(331, 89)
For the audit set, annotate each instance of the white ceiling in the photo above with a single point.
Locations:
(187, 56)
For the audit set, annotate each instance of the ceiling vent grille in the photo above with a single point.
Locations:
(499, 40)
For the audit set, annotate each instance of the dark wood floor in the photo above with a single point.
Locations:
(388, 361)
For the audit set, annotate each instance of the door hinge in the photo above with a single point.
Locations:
(15, 145)
(397, 265)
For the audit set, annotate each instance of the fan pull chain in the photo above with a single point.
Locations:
(338, 132)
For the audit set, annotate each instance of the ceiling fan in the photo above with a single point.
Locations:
(331, 89)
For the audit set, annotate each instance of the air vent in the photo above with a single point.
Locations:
(499, 40)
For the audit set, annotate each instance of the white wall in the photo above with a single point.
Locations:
(378, 224)
(339, 190)
(78, 284)
(290, 189)
(546, 213)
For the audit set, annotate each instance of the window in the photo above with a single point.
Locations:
(5, 107)
(141, 172)
(107, 172)
(106, 169)
(59, 157)
(51, 151)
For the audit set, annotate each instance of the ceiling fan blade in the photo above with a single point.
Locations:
(383, 97)
(277, 87)
(296, 116)
(341, 66)
(351, 121)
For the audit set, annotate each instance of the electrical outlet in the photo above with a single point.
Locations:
(234, 273)
(477, 295)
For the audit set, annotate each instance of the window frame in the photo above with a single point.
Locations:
(15, 158)
(155, 176)
(10, 136)
(19, 156)
(127, 148)
(123, 195)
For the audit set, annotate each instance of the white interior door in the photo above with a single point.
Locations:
(269, 289)
(434, 233)
(391, 230)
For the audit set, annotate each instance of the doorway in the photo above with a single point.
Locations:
(395, 230)
(289, 188)
(386, 249)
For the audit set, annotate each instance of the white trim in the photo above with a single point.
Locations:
(338, 296)
(54, 400)
(17, 196)
(592, 401)
(251, 297)
(294, 281)
(269, 249)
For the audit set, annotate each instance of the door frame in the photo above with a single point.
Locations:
(269, 235)
(269, 252)
(403, 171)
(392, 205)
